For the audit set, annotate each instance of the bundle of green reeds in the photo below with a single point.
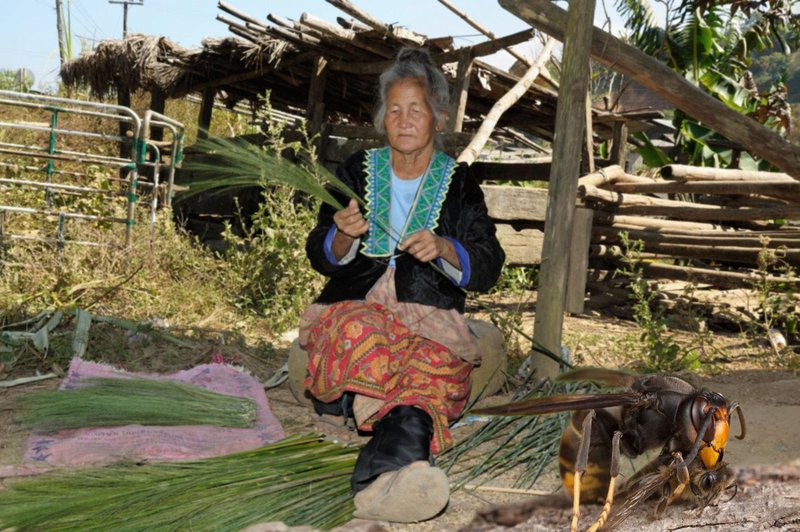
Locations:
(524, 444)
(300, 480)
(108, 402)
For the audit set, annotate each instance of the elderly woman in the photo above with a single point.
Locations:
(387, 340)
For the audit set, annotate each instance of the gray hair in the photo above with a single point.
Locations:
(414, 63)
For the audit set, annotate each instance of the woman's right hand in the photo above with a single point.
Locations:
(350, 222)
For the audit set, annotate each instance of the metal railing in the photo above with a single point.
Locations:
(140, 153)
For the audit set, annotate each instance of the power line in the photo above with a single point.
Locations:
(85, 13)
(125, 4)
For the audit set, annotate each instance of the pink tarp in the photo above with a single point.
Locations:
(99, 446)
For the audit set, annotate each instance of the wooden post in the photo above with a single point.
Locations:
(569, 131)
(204, 117)
(62, 41)
(158, 101)
(126, 146)
(587, 161)
(315, 109)
(619, 144)
(465, 61)
(660, 79)
(579, 259)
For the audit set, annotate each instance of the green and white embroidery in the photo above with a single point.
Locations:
(424, 213)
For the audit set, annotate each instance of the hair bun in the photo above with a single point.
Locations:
(415, 55)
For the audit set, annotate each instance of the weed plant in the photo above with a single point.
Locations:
(660, 350)
(777, 303)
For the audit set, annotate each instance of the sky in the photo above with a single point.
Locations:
(29, 39)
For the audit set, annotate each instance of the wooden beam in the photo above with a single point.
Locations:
(619, 144)
(515, 203)
(504, 103)
(660, 79)
(315, 109)
(523, 247)
(204, 116)
(463, 73)
(499, 171)
(569, 132)
(477, 50)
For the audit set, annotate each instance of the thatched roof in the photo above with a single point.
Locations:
(280, 56)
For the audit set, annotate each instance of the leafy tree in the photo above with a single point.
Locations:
(710, 43)
(10, 80)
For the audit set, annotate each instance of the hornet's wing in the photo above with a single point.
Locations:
(561, 403)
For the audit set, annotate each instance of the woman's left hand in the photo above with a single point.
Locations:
(426, 246)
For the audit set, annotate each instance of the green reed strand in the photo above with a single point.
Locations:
(300, 480)
(107, 402)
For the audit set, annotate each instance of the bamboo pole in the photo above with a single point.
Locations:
(718, 278)
(738, 254)
(626, 221)
(659, 78)
(709, 213)
(354, 11)
(476, 50)
(778, 188)
(698, 173)
(739, 238)
(609, 174)
(519, 57)
(474, 148)
(567, 147)
(350, 36)
(646, 205)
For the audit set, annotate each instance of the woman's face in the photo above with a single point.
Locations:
(410, 122)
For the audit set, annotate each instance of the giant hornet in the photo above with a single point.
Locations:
(653, 411)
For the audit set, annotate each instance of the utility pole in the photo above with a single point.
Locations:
(60, 28)
(125, 4)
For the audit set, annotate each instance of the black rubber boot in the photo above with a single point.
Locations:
(401, 437)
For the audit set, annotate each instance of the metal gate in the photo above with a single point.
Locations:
(61, 157)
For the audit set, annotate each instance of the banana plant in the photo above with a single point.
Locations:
(709, 42)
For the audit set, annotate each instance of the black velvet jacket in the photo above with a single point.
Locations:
(463, 217)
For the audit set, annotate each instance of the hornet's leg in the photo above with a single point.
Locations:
(614, 470)
(681, 475)
(580, 467)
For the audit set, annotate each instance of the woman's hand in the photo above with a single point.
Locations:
(426, 247)
(349, 226)
(350, 222)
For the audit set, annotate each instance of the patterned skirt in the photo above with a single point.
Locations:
(361, 347)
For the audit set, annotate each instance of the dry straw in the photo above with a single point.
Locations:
(301, 480)
(107, 402)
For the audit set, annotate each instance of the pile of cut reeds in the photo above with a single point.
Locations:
(108, 402)
(301, 480)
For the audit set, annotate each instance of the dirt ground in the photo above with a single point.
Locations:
(766, 461)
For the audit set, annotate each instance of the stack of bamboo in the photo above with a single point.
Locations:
(724, 224)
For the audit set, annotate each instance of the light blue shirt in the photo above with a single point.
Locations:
(403, 193)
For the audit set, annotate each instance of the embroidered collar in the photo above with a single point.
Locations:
(427, 205)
